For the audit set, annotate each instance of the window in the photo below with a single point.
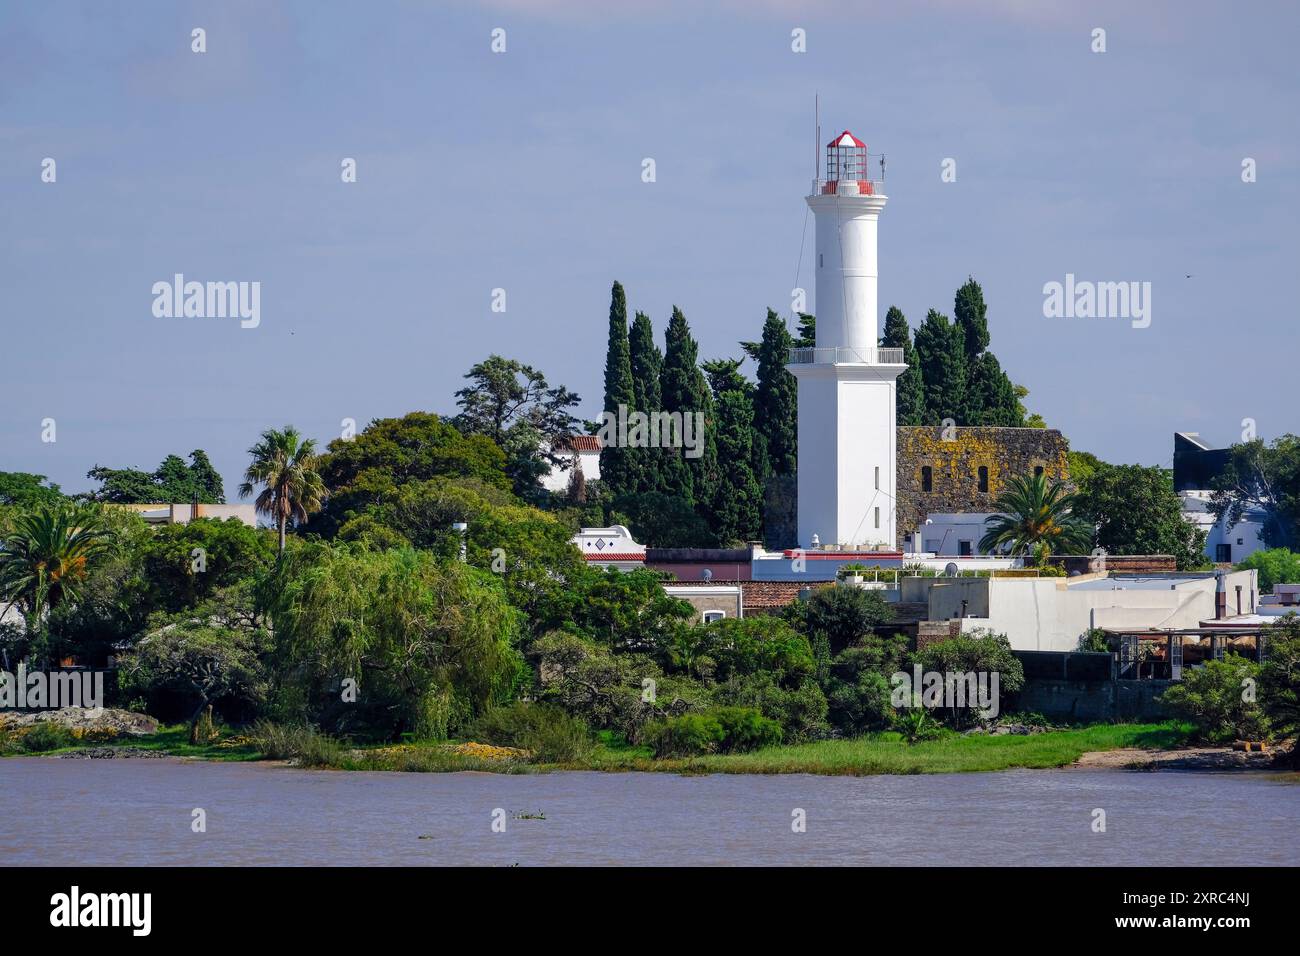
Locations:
(711, 616)
(927, 478)
(1038, 471)
(820, 261)
(878, 481)
(877, 517)
(1223, 553)
(984, 478)
(963, 549)
(932, 545)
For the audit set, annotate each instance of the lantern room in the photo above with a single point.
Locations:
(847, 161)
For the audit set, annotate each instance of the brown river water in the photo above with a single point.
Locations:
(139, 812)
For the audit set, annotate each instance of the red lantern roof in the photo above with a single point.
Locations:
(846, 139)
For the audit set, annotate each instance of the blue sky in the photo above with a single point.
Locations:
(522, 171)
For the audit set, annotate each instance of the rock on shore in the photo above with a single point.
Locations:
(122, 723)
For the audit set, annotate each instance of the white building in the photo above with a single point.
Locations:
(1051, 614)
(1225, 543)
(578, 451)
(955, 535)
(611, 547)
(164, 513)
(847, 436)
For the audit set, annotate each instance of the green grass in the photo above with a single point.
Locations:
(888, 753)
(884, 753)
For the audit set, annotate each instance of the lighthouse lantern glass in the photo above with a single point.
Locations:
(846, 162)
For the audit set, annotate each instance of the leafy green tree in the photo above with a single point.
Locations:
(172, 482)
(512, 404)
(205, 662)
(205, 479)
(1136, 511)
(619, 466)
(1033, 513)
(1279, 681)
(188, 564)
(979, 652)
(941, 356)
(1083, 465)
(1263, 477)
(910, 387)
(647, 368)
(856, 682)
(284, 466)
(1213, 699)
(842, 614)
(123, 486)
(776, 411)
(25, 490)
(1275, 566)
(368, 469)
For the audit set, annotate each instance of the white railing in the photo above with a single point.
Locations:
(848, 187)
(846, 356)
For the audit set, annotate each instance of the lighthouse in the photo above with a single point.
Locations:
(846, 383)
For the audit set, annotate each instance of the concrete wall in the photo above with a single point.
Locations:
(1088, 701)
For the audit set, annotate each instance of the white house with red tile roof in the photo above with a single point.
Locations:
(577, 451)
(610, 547)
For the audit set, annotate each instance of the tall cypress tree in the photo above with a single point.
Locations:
(807, 337)
(618, 466)
(910, 388)
(738, 498)
(776, 415)
(685, 391)
(941, 355)
(994, 394)
(647, 367)
(970, 314)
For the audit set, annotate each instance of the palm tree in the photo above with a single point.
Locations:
(1034, 515)
(44, 558)
(284, 463)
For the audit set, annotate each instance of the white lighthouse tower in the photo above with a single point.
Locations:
(847, 438)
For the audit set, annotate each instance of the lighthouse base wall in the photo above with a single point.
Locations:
(847, 455)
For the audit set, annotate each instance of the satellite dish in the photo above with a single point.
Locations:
(951, 569)
(706, 574)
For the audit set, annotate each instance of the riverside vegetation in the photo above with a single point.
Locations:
(364, 630)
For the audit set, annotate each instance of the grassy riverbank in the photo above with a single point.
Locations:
(878, 754)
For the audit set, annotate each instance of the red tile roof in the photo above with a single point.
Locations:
(580, 442)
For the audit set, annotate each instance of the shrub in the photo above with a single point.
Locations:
(744, 728)
(308, 746)
(718, 730)
(1213, 699)
(550, 734)
(45, 736)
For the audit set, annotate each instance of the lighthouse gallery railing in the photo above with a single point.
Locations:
(844, 355)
